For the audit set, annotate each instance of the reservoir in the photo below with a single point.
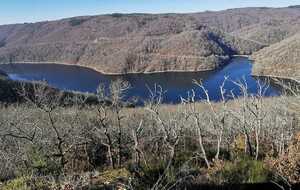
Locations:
(174, 84)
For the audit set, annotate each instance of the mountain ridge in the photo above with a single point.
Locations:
(122, 43)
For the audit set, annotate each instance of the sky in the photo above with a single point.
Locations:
(20, 11)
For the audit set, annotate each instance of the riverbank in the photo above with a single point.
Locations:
(133, 72)
(15, 92)
(225, 61)
(257, 71)
(279, 78)
(120, 73)
(3, 75)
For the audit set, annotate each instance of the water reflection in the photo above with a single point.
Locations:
(176, 84)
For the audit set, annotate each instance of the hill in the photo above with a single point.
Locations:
(122, 43)
(270, 32)
(202, 49)
(281, 59)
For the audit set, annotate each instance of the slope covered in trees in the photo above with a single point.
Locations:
(281, 59)
(201, 49)
(120, 43)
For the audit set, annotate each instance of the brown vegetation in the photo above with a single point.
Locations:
(280, 60)
(152, 147)
(121, 43)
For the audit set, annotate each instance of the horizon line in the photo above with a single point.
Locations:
(145, 13)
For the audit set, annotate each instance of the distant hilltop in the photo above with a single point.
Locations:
(294, 6)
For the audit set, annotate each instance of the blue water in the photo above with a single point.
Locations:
(175, 84)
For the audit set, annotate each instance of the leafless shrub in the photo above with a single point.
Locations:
(41, 137)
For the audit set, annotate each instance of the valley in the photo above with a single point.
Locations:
(161, 101)
(143, 43)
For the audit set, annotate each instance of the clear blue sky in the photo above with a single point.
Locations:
(19, 11)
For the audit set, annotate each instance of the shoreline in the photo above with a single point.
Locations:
(114, 74)
(277, 77)
(245, 56)
(272, 76)
(3, 74)
(156, 72)
(132, 72)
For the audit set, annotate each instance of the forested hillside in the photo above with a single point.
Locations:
(280, 60)
(121, 43)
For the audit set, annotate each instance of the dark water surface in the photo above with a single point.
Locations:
(176, 84)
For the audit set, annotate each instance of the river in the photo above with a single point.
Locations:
(174, 84)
